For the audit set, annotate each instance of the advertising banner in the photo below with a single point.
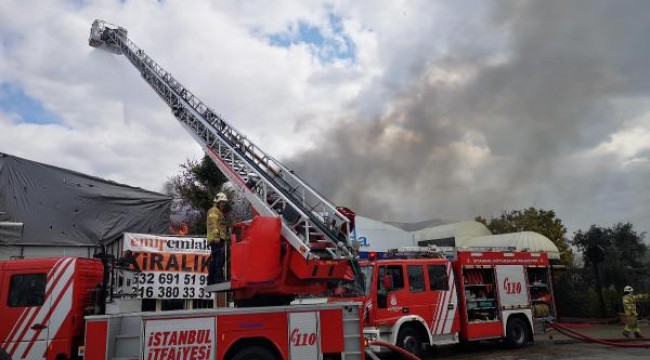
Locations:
(170, 267)
(183, 338)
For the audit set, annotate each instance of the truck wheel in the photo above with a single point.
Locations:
(254, 353)
(4, 355)
(410, 340)
(516, 333)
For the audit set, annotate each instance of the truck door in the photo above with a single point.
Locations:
(513, 289)
(444, 308)
(390, 290)
(24, 305)
(417, 301)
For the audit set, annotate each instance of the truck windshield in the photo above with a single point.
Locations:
(367, 271)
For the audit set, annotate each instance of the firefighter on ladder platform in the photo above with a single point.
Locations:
(217, 236)
(629, 306)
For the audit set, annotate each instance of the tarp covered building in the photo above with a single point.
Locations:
(46, 210)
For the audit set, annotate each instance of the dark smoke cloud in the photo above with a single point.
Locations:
(519, 129)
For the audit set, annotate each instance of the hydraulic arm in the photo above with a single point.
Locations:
(315, 229)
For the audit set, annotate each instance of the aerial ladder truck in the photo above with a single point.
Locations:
(299, 239)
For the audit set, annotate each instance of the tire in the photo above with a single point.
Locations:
(409, 339)
(516, 333)
(254, 353)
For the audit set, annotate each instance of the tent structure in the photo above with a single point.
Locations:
(47, 206)
(473, 234)
(520, 241)
(450, 234)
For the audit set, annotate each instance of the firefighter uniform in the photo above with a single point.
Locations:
(217, 231)
(217, 235)
(629, 306)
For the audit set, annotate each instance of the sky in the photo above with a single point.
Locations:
(402, 110)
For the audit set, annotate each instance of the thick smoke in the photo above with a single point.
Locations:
(523, 123)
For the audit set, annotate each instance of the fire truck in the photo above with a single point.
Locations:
(44, 303)
(417, 297)
(300, 242)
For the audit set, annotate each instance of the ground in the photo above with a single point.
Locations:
(552, 346)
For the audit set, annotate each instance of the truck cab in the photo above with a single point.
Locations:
(417, 298)
(43, 302)
(409, 302)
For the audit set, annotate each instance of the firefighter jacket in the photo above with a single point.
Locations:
(216, 224)
(629, 304)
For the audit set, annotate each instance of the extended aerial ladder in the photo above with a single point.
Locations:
(317, 231)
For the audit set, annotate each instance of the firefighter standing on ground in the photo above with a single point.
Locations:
(217, 235)
(629, 305)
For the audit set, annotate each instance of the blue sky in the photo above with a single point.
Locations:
(327, 48)
(14, 100)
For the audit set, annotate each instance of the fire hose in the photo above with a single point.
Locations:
(395, 348)
(625, 343)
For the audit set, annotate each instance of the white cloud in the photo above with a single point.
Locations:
(627, 143)
(280, 97)
(106, 108)
(285, 98)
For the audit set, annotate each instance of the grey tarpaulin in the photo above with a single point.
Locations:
(10, 231)
(62, 207)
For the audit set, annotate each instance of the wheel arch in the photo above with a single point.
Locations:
(414, 321)
(526, 316)
(252, 341)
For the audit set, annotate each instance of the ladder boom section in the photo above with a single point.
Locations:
(311, 223)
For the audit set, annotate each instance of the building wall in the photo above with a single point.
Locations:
(377, 236)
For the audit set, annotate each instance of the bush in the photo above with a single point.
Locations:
(575, 297)
(570, 294)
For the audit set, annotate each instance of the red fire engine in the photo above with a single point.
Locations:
(415, 297)
(43, 303)
(298, 237)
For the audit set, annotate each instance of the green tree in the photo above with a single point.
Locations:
(196, 185)
(540, 221)
(624, 253)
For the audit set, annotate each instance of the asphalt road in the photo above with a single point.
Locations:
(551, 346)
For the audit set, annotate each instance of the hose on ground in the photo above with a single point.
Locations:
(626, 343)
(394, 348)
